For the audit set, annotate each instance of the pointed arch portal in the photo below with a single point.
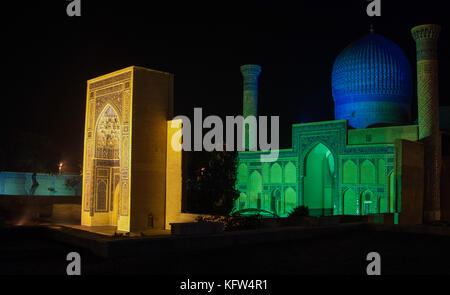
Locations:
(318, 183)
(107, 164)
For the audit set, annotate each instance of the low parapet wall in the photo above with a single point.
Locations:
(20, 184)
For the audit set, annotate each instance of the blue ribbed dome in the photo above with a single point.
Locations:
(372, 83)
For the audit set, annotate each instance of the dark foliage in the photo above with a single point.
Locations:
(235, 223)
(30, 152)
(299, 211)
(211, 182)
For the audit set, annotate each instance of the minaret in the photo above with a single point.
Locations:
(428, 114)
(250, 74)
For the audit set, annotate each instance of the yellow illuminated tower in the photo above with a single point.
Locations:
(428, 114)
(127, 158)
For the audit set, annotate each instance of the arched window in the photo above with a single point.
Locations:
(349, 172)
(290, 175)
(275, 173)
(367, 172)
(242, 174)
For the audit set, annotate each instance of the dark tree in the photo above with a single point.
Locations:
(32, 152)
(211, 182)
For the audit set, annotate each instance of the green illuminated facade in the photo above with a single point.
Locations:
(335, 169)
(330, 169)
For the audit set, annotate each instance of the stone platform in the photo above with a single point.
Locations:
(107, 242)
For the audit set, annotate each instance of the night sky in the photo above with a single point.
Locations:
(48, 57)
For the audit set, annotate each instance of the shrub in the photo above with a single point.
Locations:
(299, 211)
(235, 223)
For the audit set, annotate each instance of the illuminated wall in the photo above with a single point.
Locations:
(106, 169)
(173, 174)
(20, 183)
(125, 149)
(325, 172)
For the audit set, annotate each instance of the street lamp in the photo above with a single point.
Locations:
(60, 167)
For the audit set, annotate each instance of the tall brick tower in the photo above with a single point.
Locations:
(250, 73)
(428, 114)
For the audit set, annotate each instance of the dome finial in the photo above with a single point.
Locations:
(372, 30)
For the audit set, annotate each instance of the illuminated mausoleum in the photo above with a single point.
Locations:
(370, 159)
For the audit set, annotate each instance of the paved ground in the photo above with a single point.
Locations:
(111, 230)
(26, 252)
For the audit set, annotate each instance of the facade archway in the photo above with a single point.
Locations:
(369, 203)
(367, 172)
(318, 184)
(275, 173)
(349, 172)
(275, 201)
(106, 160)
(290, 200)
(349, 203)
(290, 174)
(384, 204)
(254, 190)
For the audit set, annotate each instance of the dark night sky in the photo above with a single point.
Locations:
(49, 56)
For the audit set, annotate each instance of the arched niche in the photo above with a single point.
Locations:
(290, 200)
(349, 202)
(369, 203)
(242, 174)
(275, 173)
(349, 172)
(318, 183)
(254, 189)
(107, 162)
(367, 172)
(290, 175)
